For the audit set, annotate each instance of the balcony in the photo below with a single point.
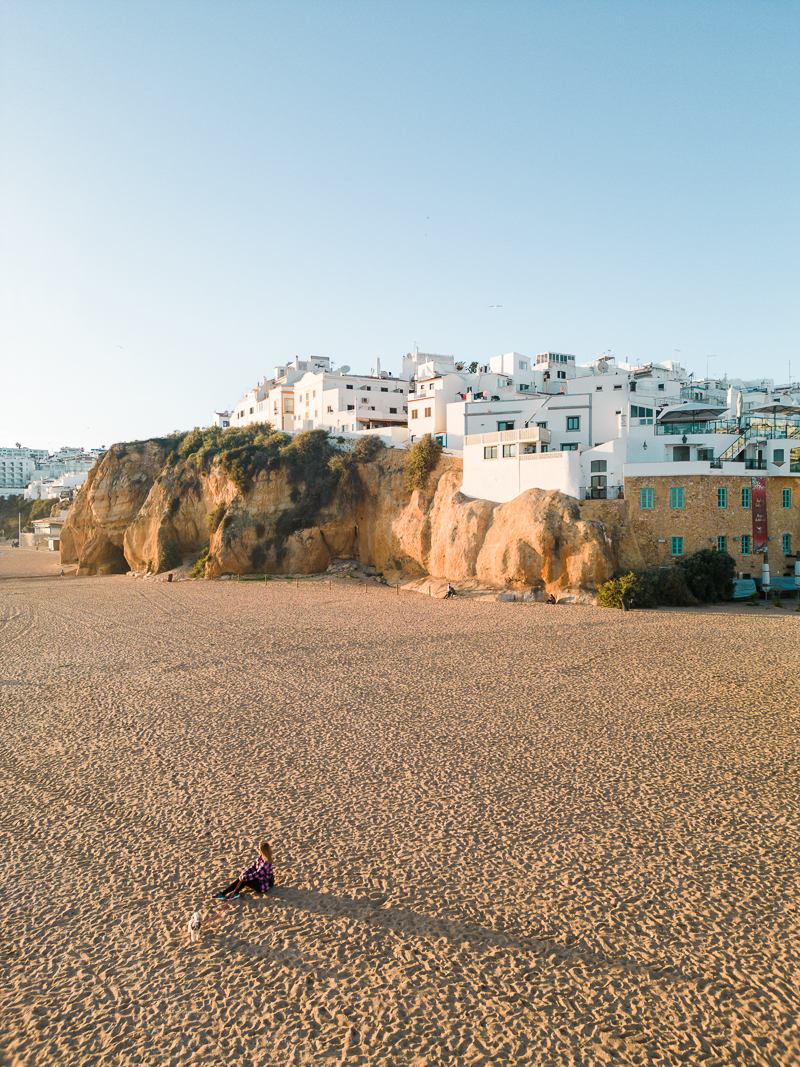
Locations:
(527, 433)
(713, 426)
(605, 492)
(755, 464)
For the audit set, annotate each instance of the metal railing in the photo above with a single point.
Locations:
(527, 433)
(605, 492)
(713, 426)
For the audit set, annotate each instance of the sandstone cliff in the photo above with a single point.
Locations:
(141, 507)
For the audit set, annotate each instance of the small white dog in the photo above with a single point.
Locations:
(193, 927)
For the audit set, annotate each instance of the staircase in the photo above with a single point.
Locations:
(731, 450)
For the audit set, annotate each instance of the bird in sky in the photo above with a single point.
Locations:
(494, 305)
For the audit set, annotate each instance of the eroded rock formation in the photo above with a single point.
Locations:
(137, 506)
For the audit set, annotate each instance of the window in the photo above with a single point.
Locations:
(573, 422)
(490, 452)
(722, 498)
(314, 393)
(415, 413)
(505, 426)
(786, 544)
(647, 499)
(392, 411)
(633, 387)
(676, 498)
(523, 365)
(598, 388)
(351, 407)
(661, 388)
(562, 374)
(427, 413)
(251, 411)
(705, 453)
(386, 390)
(777, 455)
(746, 545)
(542, 425)
(348, 387)
(330, 408)
(745, 498)
(599, 466)
(288, 405)
(617, 386)
(545, 448)
(643, 414)
(570, 447)
(722, 544)
(786, 497)
(677, 546)
(275, 407)
(509, 451)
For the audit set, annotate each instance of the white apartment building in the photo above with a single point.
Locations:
(309, 394)
(611, 421)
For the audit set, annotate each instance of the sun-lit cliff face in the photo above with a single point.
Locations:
(144, 508)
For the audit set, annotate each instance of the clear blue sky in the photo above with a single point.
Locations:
(193, 192)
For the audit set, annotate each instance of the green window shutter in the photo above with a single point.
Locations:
(677, 546)
(722, 498)
(646, 499)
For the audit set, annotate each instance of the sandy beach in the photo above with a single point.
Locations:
(503, 833)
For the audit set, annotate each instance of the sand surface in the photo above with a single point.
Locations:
(503, 833)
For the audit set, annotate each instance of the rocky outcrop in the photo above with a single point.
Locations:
(113, 494)
(137, 508)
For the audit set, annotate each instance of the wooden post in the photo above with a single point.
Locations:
(265, 579)
(297, 583)
(397, 589)
(365, 588)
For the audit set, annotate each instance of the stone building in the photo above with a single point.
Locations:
(674, 515)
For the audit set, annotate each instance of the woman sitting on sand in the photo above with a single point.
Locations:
(258, 876)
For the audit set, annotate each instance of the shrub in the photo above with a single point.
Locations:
(367, 448)
(170, 556)
(611, 593)
(199, 569)
(422, 459)
(709, 574)
(216, 516)
(647, 589)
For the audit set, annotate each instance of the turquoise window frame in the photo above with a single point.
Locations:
(647, 499)
(787, 498)
(722, 498)
(722, 543)
(746, 545)
(676, 498)
(786, 544)
(677, 546)
(745, 498)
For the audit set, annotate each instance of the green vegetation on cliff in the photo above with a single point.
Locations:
(14, 508)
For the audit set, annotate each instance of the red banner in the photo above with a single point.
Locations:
(758, 504)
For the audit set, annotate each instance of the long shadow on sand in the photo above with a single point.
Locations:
(408, 924)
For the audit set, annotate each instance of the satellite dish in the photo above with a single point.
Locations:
(344, 369)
